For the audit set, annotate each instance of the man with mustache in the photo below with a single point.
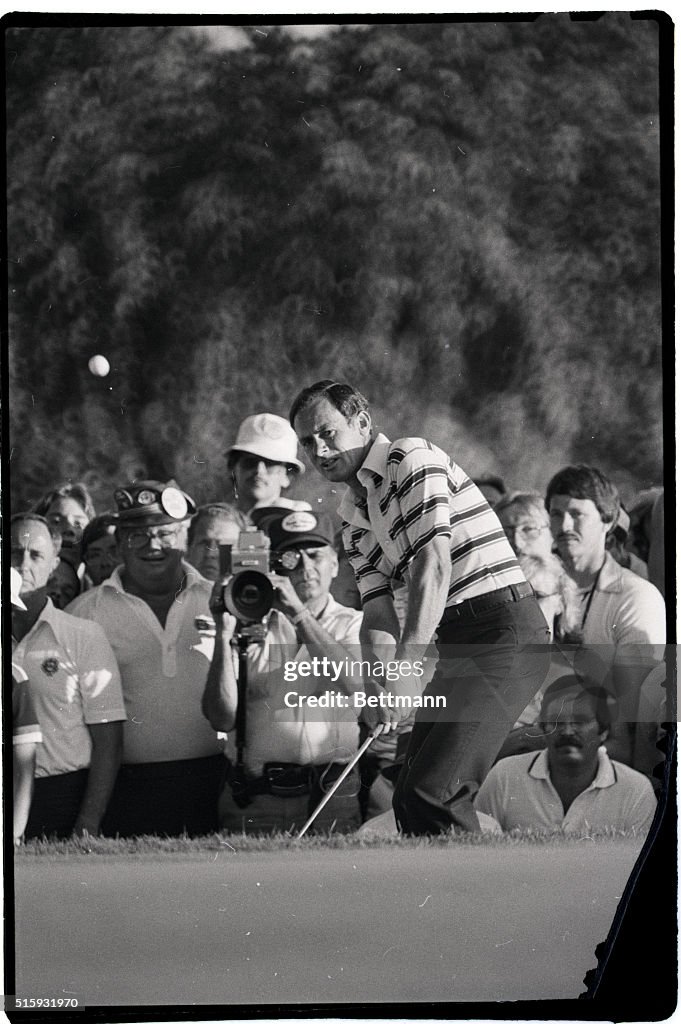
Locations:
(622, 631)
(572, 785)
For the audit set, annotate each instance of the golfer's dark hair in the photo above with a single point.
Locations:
(216, 510)
(603, 703)
(587, 483)
(33, 517)
(78, 492)
(348, 400)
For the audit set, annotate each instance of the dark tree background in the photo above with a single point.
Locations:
(463, 219)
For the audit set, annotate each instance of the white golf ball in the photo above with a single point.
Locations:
(98, 366)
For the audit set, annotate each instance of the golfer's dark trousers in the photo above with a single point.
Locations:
(493, 657)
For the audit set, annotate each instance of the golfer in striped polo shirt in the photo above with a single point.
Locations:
(411, 514)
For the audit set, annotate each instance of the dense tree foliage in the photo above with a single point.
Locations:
(461, 218)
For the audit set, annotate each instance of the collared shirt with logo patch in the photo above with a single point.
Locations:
(74, 682)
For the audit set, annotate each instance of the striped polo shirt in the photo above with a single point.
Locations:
(414, 492)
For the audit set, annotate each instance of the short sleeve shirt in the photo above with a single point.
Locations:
(518, 792)
(624, 610)
(624, 631)
(74, 682)
(163, 670)
(414, 493)
(298, 735)
(25, 727)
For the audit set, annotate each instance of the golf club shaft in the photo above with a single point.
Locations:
(346, 771)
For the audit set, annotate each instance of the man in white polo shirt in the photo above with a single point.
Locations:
(572, 785)
(75, 687)
(172, 767)
(622, 629)
(293, 749)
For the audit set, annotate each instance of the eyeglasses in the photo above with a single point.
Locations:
(530, 532)
(167, 536)
(571, 725)
(248, 462)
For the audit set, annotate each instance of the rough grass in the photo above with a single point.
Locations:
(284, 843)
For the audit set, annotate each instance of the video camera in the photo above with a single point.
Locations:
(249, 594)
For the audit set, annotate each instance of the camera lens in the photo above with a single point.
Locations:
(249, 596)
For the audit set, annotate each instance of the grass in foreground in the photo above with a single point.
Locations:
(282, 842)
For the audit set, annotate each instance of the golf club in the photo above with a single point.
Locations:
(346, 771)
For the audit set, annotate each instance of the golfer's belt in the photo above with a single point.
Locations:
(282, 779)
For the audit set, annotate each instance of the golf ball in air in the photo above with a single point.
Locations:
(98, 366)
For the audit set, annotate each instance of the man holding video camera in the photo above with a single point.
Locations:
(286, 751)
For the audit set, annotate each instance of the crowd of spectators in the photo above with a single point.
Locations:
(145, 701)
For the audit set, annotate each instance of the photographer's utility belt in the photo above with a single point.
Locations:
(284, 780)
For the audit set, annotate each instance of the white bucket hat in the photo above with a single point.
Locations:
(269, 436)
(15, 582)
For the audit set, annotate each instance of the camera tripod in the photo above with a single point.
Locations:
(245, 634)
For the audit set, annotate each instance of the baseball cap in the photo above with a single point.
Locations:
(269, 436)
(264, 516)
(298, 529)
(15, 582)
(150, 501)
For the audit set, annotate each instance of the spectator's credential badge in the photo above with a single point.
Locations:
(50, 666)
(174, 502)
(146, 498)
